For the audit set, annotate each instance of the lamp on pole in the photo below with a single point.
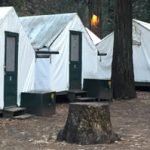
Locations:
(94, 7)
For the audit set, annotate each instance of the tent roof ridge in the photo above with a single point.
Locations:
(48, 15)
(139, 22)
(107, 36)
(10, 9)
(62, 30)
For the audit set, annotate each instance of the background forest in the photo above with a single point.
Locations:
(141, 9)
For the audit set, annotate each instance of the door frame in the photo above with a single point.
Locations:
(80, 54)
(16, 35)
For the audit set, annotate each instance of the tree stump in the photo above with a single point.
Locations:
(88, 123)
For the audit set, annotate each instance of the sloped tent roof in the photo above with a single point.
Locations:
(25, 75)
(53, 32)
(43, 30)
(144, 24)
(141, 53)
(94, 37)
(4, 12)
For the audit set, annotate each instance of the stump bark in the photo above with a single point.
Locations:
(88, 123)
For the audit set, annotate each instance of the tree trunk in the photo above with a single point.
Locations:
(122, 65)
(88, 123)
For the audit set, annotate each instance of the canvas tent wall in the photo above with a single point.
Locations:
(141, 53)
(94, 37)
(54, 33)
(16, 59)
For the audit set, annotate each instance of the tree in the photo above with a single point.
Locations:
(88, 123)
(122, 65)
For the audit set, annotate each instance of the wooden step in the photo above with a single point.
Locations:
(73, 94)
(85, 99)
(23, 116)
(10, 112)
(76, 91)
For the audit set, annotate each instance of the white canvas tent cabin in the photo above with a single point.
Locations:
(77, 58)
(17, 59)
(141, 54)
(94, 37)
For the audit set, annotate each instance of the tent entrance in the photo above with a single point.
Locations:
(75, 60)
(10, 69)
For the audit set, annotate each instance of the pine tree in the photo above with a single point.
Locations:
(122, 65)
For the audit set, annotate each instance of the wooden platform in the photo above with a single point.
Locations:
(61, 93)
(85, 99)
(11, 112)
(24, 116)
(77, 91)
(73, 94)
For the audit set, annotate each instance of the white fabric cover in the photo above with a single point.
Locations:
(53, 73)
(42, 30)
(141, 53)
(104, 62)
(26, 58)
(94, 37)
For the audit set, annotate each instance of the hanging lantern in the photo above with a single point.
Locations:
(94, 20)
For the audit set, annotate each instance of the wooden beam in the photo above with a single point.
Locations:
(45, 54)
(101, 54)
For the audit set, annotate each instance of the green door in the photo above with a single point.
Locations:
(10, 69)
(75, 60)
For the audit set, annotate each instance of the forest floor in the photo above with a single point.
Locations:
(130, 119)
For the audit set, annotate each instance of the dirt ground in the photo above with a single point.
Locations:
(130, 119)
